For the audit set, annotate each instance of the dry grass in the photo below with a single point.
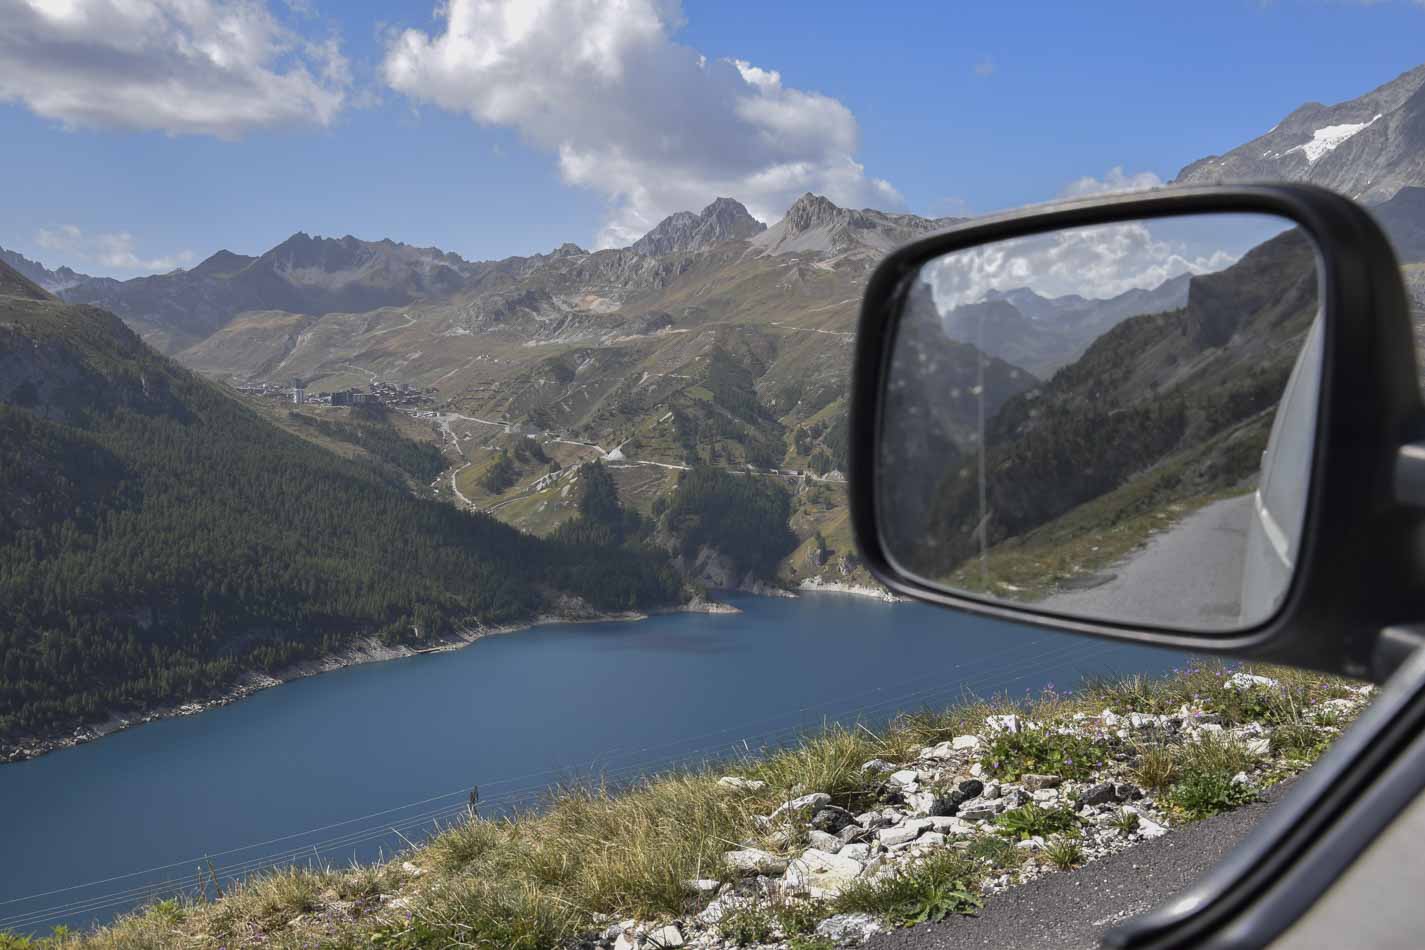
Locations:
(544, 878)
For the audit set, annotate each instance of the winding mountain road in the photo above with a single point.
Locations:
(1189, 575)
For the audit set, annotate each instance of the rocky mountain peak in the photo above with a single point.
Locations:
(724, 220)
(812, 211)
(222, 263)
(52, 281)
(1367, 148)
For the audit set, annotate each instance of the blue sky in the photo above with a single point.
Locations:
(328, 119)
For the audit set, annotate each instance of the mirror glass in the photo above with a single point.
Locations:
(1111, 422)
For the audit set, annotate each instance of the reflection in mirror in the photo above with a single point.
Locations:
(1112, 422)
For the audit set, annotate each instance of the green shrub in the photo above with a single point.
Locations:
(1125, 821)
(798, 918)
(1301, 741)
(1204, 794)
(747, 923)
(1033, 820)
(995, 851)
(1040, 751)
(1215, 754)
(1064, 851)
(1156, 769)
(811, 943)
(932, 890)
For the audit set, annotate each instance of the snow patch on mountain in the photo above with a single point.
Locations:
(1325, 139)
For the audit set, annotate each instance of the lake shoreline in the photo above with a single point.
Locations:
(370, 650)
(363, 651)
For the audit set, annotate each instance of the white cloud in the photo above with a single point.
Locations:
(1115, 181)
(653, 125)
(184, 67)
(985, 67)
(1096, 262)
(112, 251)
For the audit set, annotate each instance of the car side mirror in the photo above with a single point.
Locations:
(1183, 417)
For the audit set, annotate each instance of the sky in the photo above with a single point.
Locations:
(1099, 262)
(140, 135)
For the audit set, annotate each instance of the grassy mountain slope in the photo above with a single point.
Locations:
(158, 538)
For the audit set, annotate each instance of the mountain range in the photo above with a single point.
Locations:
(715, 339)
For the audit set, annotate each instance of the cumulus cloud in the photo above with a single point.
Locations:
(177, 66)
(112, 251)
(1097, 262)
(1116, 180)
(985, 67)
(653, 125)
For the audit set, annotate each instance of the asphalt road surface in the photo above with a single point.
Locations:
(1187, 576)
(1072, 909)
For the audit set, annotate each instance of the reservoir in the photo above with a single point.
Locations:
(349, 765)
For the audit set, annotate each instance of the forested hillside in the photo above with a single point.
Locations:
(158, 538)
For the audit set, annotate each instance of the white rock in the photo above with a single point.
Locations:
(741, 784)
(848, 928)
(1035, 843)
(1149, 828)
(819, 874)
(1259, 747)
(931, 838)
(755, 861)
(904, 832)
(856, 852)
(1205, 729)
(626, 941)
(1240, 680)
(1109, 718)
(962, 743)
(877, 765)
(903, 778)
(412, 869)
(809, 802)
(920, 802)
(703, 885)
(1009, 723)
(1332, 707)
(943, 750)
(714, 912)
(977, 771)
(951, 825)
(663, 937)
(1046, 795)
(992, 791)
(823, 841)
(1241, 778)
(981, 810)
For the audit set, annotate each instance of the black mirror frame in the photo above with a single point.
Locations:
(1361, 565)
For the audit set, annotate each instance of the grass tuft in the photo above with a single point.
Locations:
(940, 885)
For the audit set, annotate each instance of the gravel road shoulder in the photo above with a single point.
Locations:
(1072, 910)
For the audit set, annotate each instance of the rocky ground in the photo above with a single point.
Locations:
(948, 798)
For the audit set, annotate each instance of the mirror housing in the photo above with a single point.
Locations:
(1361, 560)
